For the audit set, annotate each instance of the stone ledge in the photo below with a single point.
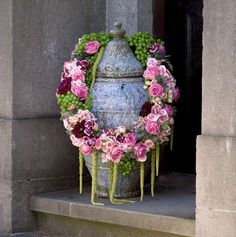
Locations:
(171, 211)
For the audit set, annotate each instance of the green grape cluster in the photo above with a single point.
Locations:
(70, 101)
(102, 37)
(126, 166)
(141, 41)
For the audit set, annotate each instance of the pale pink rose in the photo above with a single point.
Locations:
(78, 75)
(152, 128)
(150, 73)
(155, 89)
(92, 47)
(98, 144)
(121, 129)
(140, 152)
(68, 67)
(176, 94)
(130, 139)
(149, 144)
(80, 91)
(105, 149)
(163, 70)
(153, 117)
(116, 155)
(67, 124)
(75, 141)
(152, 62)
(86, 150)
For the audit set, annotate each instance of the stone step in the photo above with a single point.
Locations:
(170, 213)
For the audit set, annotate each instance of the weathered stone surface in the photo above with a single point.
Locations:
(45, 33)
(215, 223)
(216, 173)
(219, 71)
(5, 207)
(42, 149)
(135, 15)
(6, 58)
(5, 150)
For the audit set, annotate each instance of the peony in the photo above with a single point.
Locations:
(86, 150)
(176, 94)
(116, 155)
(78, 75)
(64, 86)
(80, 91)
(152, 127)
(130, 139)
(92, 47)
(140, 152)
(155, 89)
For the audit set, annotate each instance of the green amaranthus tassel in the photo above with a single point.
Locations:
(95, 66)
(153, 158)
(94, 179)
(172, 137)
(141, 180)
(157, 158)
(80, 171)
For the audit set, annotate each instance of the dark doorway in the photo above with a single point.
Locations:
(180, 24)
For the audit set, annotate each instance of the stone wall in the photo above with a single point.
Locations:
(36, 37)
(216, 147)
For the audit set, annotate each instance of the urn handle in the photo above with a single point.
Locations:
(117, 32)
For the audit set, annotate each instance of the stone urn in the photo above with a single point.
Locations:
(118, 97)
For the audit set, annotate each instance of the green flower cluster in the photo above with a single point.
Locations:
(126, 166)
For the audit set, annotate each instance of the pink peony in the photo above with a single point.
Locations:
(80, 91)
(176, 94)
(92, 47)
(155, 89)
(152, 128)
(150, 73)
(78, 75)
(130, 140)
(86, 150)
(140, 152)
(149, 144)
(116, 155)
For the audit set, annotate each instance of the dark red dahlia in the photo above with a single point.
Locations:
(78, 130)
(146, 109)
(64, 86)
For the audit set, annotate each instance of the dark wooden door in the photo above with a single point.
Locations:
(180, 24)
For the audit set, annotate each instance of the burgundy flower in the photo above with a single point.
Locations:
(146, 109)
(89, 124)
(120, 138)
(83, 63)
(64, 86)
(78, 130)
(157, 49)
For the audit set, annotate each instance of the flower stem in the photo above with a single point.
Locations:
(141, 180)
(111, 177)
(80, 171)
(95, 66)
(172, 137)
(157, 158)
(153, 172)
(94, 179)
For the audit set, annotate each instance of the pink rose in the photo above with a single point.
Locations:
(86, 150)
(116, 155)
(149, 144)
(152, 62)
(130, 140)
(80, 91)
(169, 110)
(75, 141)
(140, 152)
(152, 128)
(78, 75)
(176, 94)
(150, 73)
(98, 144)
(92, 47)
(155, 89)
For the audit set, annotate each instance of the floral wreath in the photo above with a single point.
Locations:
(118, 145)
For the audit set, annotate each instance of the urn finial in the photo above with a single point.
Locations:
(117, 32)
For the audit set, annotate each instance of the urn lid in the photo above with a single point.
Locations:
(118, 60)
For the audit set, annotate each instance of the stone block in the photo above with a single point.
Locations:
(45, 33)
(216, 173)
(215, 223)
(6, 58)
(5, 207)
(135, 15)
(5, 149)
(219, 71)
(42, 149)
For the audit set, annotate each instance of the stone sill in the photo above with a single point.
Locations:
(172, 210)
